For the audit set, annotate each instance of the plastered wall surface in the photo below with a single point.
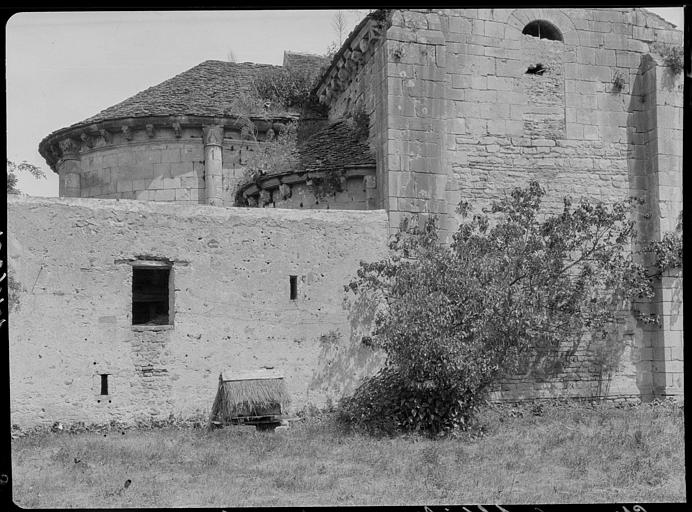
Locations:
(232, 309)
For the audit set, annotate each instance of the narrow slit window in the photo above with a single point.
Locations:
(151, 296)
(104, 384)
(293, 281)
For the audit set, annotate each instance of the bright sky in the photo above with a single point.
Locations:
(63, 67)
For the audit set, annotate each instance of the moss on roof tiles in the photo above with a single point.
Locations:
(212, 88)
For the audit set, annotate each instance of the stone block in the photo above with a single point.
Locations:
(181, 168)
(170, 155)
(192, 153)
(461, 81)
(592, 39)
(615, 41)
(182, 194)
(501, 83)
(605, 58)
(509, 68)
(124, 186)
(164, 195)
(575, 131)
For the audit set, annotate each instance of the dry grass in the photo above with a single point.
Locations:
(568, 453)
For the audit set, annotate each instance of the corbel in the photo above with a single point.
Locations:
(176, 128)
(285, 191)
(68, 146)
(127, 133)
(107, 138)
(86, 140)
(150, 130)
(264, 197)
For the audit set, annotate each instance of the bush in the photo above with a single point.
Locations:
(388, 402)
(454, 319)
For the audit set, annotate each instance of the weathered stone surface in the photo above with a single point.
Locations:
(461, 106)
(231, 304)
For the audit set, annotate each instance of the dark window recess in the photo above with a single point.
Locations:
(104, 384)
(294, 286)
(538, 69)
(150, 296)
(542, 29)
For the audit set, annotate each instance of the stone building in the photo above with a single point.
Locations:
(143, 300)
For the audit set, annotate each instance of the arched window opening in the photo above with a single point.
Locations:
(543, 30)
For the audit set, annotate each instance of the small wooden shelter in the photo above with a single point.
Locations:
(257, 397)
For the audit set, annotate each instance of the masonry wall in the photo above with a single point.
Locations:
(353, 196)
(161, 167)
(467, 122)
(460, 76)
(231, 268)
(367, 93)
(165, 168)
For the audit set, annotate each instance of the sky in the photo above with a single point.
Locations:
(63, 67)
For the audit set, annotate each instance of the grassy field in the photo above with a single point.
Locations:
(551, 454)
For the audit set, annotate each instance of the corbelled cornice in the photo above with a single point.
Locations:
(78, 139)
(352, 56)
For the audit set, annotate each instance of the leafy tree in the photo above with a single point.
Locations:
(454, 319)
(668, 251)
(13, 169)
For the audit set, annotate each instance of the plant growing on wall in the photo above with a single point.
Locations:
(328, 185)
(618, 81)
(456, 319)
(668, 251)
(673, 57)
(281, 89)
(278, 153)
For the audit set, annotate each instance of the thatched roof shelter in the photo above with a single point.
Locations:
(249, 397)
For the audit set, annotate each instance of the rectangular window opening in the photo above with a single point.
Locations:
(151, 295)
(104, 383)
(294, 286)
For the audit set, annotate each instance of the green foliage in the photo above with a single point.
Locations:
(279, 153)
(618, 81)
(13, 169)
(284, 89)
(14, 291)
(327, 185)
(673, 58)
(668, 251)
(455, 319)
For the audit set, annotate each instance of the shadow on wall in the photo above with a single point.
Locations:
(342, 364)
(641, 146)
(676, 306)
(584, 367)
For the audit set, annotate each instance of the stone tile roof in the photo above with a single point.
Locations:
(307, 63)
(209, 89)
(340, 145)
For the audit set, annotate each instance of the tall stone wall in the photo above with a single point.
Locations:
(469, 121)
(231, 305)
(366, 92)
